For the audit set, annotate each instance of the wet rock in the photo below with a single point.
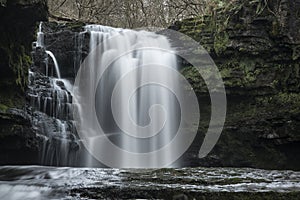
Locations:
(19, 142)
(63, 40)
(255, 46)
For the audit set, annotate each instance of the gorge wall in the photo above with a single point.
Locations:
(256, 46)
(19, 20)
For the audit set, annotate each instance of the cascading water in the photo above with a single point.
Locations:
(116, 51)
(55, 63)
(40, 36)
(51, 102)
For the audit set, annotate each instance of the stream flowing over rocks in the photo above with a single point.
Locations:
(35, 182)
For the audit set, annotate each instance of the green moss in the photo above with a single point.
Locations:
(194, 78)
(220, 42)
(214, 25)
(245, 72)
(75, 26)
(250, 73)
(3, 108)
(284, 98)
(296, 53)
(275, 28)
(20, 62)
(287, 102)
(226, 73)
(16, 48)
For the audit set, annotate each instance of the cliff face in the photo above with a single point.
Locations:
(18, 143)
(256, 46)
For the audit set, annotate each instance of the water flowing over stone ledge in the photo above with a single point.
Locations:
(186, 183)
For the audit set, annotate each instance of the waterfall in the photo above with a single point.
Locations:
(55, 63)
(40, 36)
(132, 50)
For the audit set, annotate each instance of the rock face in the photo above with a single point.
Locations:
(65, 41)
(256, 48)
(18, 24)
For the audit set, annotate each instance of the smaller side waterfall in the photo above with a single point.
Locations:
(55, 64)
(51, 102)
(40, 36)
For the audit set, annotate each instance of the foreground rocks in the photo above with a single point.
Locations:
(19, 143)
(189, 183)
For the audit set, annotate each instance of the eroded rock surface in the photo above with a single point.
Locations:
(19, 19)
(255, 45)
